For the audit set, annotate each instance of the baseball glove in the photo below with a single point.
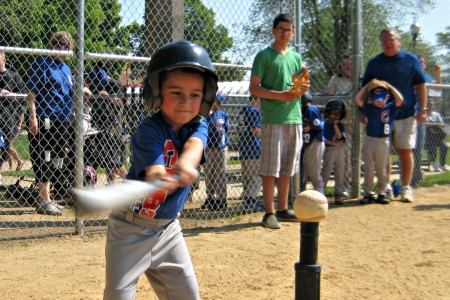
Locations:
(374, 83)
(298, 79)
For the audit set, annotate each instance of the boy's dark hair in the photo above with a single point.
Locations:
(164, 73)
(282, 18)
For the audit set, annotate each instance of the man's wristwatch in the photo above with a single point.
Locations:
(423, 109)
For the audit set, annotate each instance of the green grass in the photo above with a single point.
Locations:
(435, 179)
(429, 181)
(21, 145)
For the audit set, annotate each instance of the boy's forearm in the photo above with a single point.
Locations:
(359, 96)
(337, 132)
(192, 153)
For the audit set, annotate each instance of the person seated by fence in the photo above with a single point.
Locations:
(215, 168)
(50, 101)
(249, 131)
(313, 144)
(435, 138)
(341, 83)
(107, 117)
(11, 113)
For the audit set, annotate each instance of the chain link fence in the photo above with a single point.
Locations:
(114, 41)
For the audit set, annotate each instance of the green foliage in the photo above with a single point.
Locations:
(201, 28)
(326, 33)
(31, 23)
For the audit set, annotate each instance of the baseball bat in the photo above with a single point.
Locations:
(116, 195)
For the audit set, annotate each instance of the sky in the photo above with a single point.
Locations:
(432, 22)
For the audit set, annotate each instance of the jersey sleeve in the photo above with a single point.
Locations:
(147, 146)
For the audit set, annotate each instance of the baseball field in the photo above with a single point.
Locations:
(395, 251)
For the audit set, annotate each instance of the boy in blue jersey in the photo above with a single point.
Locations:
(379, 109)
(249, 131)
(147, 237)
(217, 156)
(313, 143)
(50, 93)
(334, 155)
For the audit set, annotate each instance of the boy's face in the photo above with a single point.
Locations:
(181, 95)
(379, 104)
(334, 115)
(283, 32)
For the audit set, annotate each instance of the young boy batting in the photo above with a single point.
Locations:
(146, 238)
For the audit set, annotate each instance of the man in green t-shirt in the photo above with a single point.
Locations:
(281, 128)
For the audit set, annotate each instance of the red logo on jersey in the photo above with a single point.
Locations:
(153, 200)
(220, 125)
(385, 116)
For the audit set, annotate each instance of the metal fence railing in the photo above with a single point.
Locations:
(117, 41)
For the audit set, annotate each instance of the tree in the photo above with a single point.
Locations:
(326, 31)
(199, 27)
(443, 40)
(31, 23)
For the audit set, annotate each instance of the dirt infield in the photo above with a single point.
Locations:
(395, 251)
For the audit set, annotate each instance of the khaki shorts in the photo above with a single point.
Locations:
(280, 151)
(404, 133)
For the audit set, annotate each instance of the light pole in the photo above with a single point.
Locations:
(414, 29)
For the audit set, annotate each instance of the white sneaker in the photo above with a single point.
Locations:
(407, 194)
(47, 208)
(436, 167)
(389, 192)
(445, 168)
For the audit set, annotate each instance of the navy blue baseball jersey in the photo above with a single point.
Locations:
(52, 82)
(379, 119)
(249, 144)
(313, 115)
(156, 143)
(329, 133)
(218, 125)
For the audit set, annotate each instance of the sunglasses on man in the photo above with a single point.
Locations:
(62, 45)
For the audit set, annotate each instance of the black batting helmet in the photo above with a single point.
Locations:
(180, 54)
(306, 97)
(335, 104)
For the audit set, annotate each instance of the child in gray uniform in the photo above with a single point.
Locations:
(334, 156)
(146, 238)
(383, 101)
